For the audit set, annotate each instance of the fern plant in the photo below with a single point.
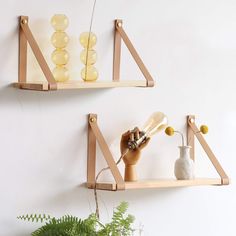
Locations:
(120, 224)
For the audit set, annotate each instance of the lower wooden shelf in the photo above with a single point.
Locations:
(95, 135)
(76, 84)
(161, 183)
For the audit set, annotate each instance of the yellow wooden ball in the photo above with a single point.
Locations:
(204, 129)
(88, 36)
(59, 22)
(169, 131)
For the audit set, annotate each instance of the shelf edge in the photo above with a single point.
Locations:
(73, 84)
(169, 183)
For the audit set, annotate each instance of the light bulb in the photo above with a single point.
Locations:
(155, 123)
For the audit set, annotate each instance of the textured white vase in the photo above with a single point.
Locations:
(184, 166)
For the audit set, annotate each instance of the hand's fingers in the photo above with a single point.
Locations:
(143, 145)
(126, 133)
(136, 134)
(125, 137)
(131, 136)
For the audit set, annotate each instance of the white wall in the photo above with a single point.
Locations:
(188, 46)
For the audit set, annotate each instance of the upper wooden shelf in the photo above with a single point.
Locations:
(26, 37)
(161, 183)
(74, 84)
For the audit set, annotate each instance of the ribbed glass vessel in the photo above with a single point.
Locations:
(59, 40)
(88, 56)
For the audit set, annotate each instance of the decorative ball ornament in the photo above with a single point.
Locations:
(169, 131)
(60, 57)
(59, 22)
(59, 40)
(89, 73)
(88, 56)
(204, 129)
(61, 73)
(88, 37)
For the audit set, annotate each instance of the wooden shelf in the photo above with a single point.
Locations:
(76, 84)
(161, 183)
(95, 136)
(26, 37)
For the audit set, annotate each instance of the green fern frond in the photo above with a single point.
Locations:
(120, 224)
(35, 217)
(68, 226)
(73, 226)
(123, 207)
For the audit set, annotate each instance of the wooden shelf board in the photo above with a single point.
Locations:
(74, 84)
(162, 183)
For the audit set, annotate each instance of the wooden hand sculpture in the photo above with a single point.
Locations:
(131, 157)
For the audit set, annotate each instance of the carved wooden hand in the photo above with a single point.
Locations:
(132, 156)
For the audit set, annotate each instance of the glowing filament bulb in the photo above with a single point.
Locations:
(156, 122)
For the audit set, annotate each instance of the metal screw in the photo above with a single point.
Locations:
(119, 24)
(92, 119)
(191, 120)
(24, 21)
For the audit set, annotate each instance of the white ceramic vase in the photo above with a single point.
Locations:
(184, 166)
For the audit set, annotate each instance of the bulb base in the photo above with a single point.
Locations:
(134, 144)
